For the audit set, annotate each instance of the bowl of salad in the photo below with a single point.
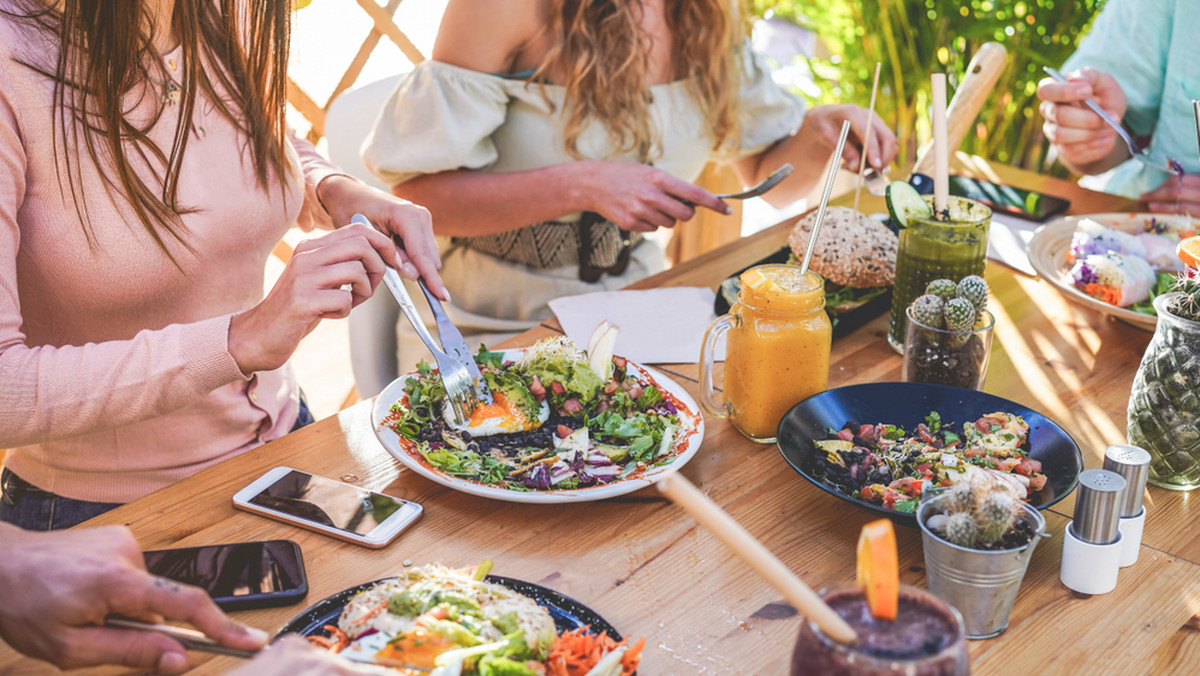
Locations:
(563, 426)
(881, 445)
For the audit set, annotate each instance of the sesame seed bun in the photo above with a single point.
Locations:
(853, 249)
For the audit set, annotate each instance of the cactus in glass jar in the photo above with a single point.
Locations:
(1163, 416)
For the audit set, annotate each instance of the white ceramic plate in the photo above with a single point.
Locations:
(1048, 254)
(686, 445)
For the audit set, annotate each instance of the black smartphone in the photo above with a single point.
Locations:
(240, 575)
(1027, 204)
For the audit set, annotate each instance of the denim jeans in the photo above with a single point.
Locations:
(27, 506)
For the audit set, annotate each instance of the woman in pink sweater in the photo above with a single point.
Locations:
(146, 174)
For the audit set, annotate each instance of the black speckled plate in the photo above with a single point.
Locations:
(906, 405)
(568, 613)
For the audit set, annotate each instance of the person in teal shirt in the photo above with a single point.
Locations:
(1140, 64)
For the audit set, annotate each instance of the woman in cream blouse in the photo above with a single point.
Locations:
(545, 136)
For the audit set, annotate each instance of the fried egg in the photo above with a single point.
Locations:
(500, 417)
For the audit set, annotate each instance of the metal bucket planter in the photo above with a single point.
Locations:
(981, 584)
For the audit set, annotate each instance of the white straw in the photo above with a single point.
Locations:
(833, 167)
(862, 161)
(941, 149)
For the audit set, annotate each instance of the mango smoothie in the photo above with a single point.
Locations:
(777, 354)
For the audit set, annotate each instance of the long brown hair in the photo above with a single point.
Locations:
(600, 49)
(233, 52)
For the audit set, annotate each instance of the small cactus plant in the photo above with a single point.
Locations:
(959, 314)
(1187, 303)
(928, 309)
(974, 289)
(977, 513)
(942, 288)
(960, 304)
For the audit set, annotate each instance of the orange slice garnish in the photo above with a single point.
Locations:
(1189, 251)
(879, 568)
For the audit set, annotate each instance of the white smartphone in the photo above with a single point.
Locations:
(331, 507)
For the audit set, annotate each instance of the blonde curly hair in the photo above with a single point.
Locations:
(601, 52)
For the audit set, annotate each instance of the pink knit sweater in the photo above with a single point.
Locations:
(115, 373)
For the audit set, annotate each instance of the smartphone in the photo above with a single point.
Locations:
(1027, 204)
(238, 576)
(331, 507)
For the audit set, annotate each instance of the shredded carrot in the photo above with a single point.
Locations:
(371, 613)
(574, 653)
(337, 638)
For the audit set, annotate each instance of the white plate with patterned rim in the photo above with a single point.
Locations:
(685, 445)
(1048, 254)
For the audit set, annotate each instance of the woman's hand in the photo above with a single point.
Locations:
(326, 277)
(344, 197)
(823, 125)
(293, 656)
(638, 197)
(808, 151)
(1176, 195)
(1084, 141)
(58, 587)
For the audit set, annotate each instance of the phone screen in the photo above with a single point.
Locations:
(331, 503)
(233, 571)
(1007, 199)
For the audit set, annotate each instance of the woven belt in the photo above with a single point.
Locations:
(594, 244)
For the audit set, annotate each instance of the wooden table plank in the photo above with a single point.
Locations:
(642, 564)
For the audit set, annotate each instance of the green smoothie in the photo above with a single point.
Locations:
(932, 248)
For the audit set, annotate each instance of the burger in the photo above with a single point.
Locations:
(855, 253)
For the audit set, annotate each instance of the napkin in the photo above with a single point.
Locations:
(656, 326)
(1008, 238)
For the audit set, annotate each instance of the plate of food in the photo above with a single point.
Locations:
(446, 621)
(879, 445)
(557, 432)
(1115, 263)
(855, 254)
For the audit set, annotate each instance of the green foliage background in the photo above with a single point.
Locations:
(913, 38)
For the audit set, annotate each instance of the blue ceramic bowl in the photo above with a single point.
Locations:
(906, 405)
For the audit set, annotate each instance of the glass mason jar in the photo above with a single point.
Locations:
(932, 249)
(777, 349)
(926, 639)
(1164, 404)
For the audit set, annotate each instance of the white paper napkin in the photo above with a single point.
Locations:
(657, 326)
(1008, 237)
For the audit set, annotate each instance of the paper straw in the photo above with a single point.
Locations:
(862, 161)
(941, 150)
(833, 166)
(741, 542)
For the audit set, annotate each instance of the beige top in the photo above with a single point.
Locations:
(442, 117)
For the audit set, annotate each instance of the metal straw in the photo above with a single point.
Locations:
(1196, 112)
(833, 166)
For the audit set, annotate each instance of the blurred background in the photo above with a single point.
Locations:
(825, 50)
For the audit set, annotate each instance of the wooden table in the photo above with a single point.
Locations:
(647, 568)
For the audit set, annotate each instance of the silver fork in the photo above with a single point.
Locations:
(455, 376)
(762, 186)
(757, 189)
(1137, 153)
(454, 344)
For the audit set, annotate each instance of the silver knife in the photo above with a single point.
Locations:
(195, 640)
